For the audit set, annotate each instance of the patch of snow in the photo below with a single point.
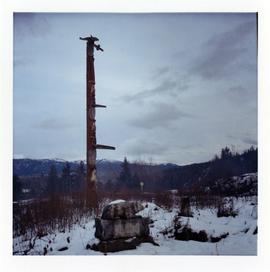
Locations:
(240, 241)
(117, 201)
(58, 160)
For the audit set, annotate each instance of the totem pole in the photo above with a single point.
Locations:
(92, 146)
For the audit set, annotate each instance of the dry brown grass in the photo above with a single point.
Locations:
(46, 215)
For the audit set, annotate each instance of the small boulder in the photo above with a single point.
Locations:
(254, 212)
(215, 239)
(63, 248)
(186, 233)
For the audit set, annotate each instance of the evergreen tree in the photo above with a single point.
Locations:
(80, 176)
(135, 181)
(52, 181)
(124, 179)
(66, 170)
(80, 169)
(109, 186)
(66, 177)
(17, 188)
(225, 153)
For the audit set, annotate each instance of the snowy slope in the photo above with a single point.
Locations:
(240, 241)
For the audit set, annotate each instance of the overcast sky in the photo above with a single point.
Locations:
(178, 87)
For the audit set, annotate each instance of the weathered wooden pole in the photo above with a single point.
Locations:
(91, 175)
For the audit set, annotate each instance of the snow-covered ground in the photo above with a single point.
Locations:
(241, 239)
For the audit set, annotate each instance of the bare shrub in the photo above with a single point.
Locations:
(226, 208)
(185, 207)
(46, 215)
(185, 233)
(164, 199)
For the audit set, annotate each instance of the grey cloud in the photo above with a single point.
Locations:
(221, 52)
(237, 89)
(220, 56)
(217, 64)
(250, 141)
(21, 61)
(233, 37)
(240, 94)
(54, 124)
(143, 147)
(30, 25)
(249, 67)
(166, 87)
(229, 136)
(18, 156)
(205, 114)
(191, 146)
(247, 139)
(162, 151)
(160, 72)
(162, 115)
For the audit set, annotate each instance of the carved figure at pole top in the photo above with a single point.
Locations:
(92, 40)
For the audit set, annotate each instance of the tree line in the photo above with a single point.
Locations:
(140, 176)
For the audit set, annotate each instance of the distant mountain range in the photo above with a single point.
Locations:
(154, 176)
(37, 167)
